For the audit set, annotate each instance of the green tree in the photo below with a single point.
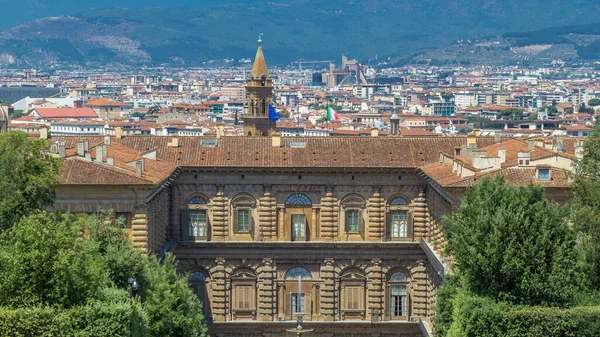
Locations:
(511, 244)
(28, 174)
(551, 109)
(532, 117)
(43, 261)
(585, 211)
(594, 102)
(66, 261)
(511, 114)
(584, 109)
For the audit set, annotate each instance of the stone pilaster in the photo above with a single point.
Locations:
(267, 297)
(220, 215)
(177, 203)
(328, 290)
(329, 215)
(219, 291)
(419, 290)
(420, 217)
(267, 217)
(375, 291)
(139, 228)
(376, 211)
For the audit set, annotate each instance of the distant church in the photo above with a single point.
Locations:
(259, 91)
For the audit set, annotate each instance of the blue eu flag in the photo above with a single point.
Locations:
(273, 114)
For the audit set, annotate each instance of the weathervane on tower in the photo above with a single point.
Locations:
(260, 38)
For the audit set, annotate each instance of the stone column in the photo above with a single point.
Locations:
(219, 290)
(281, 221)
(267, 304)
(376, 210)
(328, 290)
(139, 229)
(329, 215)
(220, 216)
(375, 291)
(313, 231)
(420, 217)
(280, 299)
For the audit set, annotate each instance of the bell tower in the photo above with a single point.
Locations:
(259, 92)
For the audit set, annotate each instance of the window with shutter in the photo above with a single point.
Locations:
(352, 220)
(243, 220)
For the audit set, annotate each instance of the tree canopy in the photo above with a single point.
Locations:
(28, 173)
(509, 243)
(67, 261)
(594, 102)
(511, 114)
(585, 211)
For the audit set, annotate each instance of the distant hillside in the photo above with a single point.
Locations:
(567, 43)
(311, 29)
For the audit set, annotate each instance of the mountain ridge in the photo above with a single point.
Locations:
(293, 29)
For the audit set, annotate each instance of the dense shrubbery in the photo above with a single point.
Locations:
(483, 317)
(96, 319)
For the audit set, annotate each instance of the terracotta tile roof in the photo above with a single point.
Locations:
(520, 176)
(66, 113)
(75, 171)
(103, 101)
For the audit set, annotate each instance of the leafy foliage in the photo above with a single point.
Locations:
(585, 211)
(511, 244)
(28, 174)
(481, 317)
(511, 114)
(77, 265)
(594, 102)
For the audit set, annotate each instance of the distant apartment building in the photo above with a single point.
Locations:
(235, 93)
(465, 99)
(77, 128)
(107, 108)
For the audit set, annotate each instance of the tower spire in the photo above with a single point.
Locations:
(259, 68)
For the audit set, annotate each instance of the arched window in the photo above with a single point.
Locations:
(263, 81)
(298, 272)
(197, 201)
(264, 107)
(298, 299)
(398, 202)
(243, 283)
(195, 220)
(298, 199)
(399, 223)
(398, 300)
(352, 295)
(197, 282)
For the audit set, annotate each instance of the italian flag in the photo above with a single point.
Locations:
(332, 115)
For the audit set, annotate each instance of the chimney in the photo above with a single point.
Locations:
(472, 140)
(502, 155)
(62, 151)
(395, 125)
(119, 132)
(548, 145)
(88, 157)
(174, 142)
(530, 144)
(86, 146)
(523, 158)
(100, 153)
(110, 161)
(107, 140)
(560, 144)
(80, 149)
(497, 137)
(276, 140)
(139, 167)
(43, 133)
(374, 132)
(579, 150)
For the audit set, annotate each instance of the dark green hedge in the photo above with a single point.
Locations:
(98, 319)
(480, 317)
